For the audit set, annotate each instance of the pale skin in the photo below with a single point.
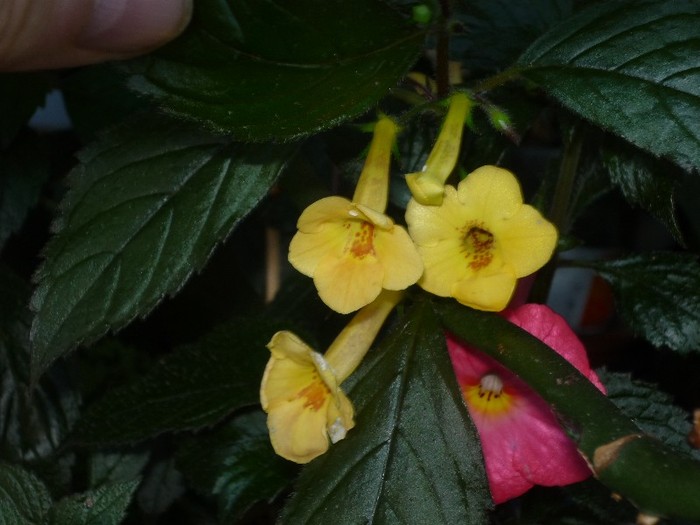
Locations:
(50, 34)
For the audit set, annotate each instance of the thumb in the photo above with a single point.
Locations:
(43, 34)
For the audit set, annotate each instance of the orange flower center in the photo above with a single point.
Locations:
(315, 394)
(478, 246)
(362, 239)
(488, 396)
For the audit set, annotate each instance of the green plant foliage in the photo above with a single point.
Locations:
(103, 506)
(234, 68)
(631, 68)
(659, 296)
(652, 409)
(25, 499)
(144, 211)
(414, 456)
(236, 465)
(645, 182)
(194, 387)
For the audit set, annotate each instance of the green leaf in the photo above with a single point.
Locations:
(482, 46)
(23, 169)
(645, 182)
(192, 388)
(116, 466)
(162, 485)
(264, 70)
(236, 464)
(651, 409)
(630, 67)
(146, 207)
(33, 422)
(414, 455)
(24, 500)
(103, 506)
(20, 96)
(658, 295)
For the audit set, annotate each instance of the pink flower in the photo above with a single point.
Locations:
(522, 441)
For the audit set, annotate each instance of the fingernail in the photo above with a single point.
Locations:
(130, 26)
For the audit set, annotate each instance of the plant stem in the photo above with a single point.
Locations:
(442, 66)
(559, 210)
(655, 478)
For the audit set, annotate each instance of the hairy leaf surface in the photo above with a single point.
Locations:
(631, 67)
(103, 506)
(273, 69)
(145, 209)
(236, 464)
(659, 296)
(414, 455)
(24, 499)
(194, 387)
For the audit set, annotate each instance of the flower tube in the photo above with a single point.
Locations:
(300, 389)
(351, 249)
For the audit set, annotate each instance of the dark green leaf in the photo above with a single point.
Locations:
(482, 46)
(162, 485)
(630, 67)
(103, 506)
(414, 455)
(236, 463)
(194, 387)
(146, 207)
(23, 169)
(645, 182)
(24, 500)
(116, 466)
(652, 409)
(33, 423)
(265, 70)
(97, 97)
(659, 296)
(20, 96)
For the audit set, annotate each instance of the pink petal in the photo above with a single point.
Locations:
(524, 446)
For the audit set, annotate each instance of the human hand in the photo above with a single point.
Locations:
(46, 34)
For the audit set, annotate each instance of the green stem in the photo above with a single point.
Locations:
(559, 211)
(442, 66)
(658, 480)
(496, 80)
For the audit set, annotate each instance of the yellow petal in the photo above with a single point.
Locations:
(399, 257)
(373, 186)
(323, 211)
(526, 241)
(297, 433)
(307, 249)
(444, 264)
(426, 187)
(485, 292)
(348, 283)
(491, 193)
(431, 224)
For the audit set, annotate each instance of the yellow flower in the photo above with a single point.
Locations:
(305, 405)
(480, 240)
(300, 389)
(351, 248)
(427, 186)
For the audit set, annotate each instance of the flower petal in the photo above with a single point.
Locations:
(307, 249)
(443, 267)
(551, 328)
(526, 241)
(430, 224)
(319, 213)
(348, 283)
(485, 291)
(492, 193)
(297, 433)
(402, 263)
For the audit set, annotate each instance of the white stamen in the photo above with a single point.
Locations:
(491, 383)
(337, 431)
